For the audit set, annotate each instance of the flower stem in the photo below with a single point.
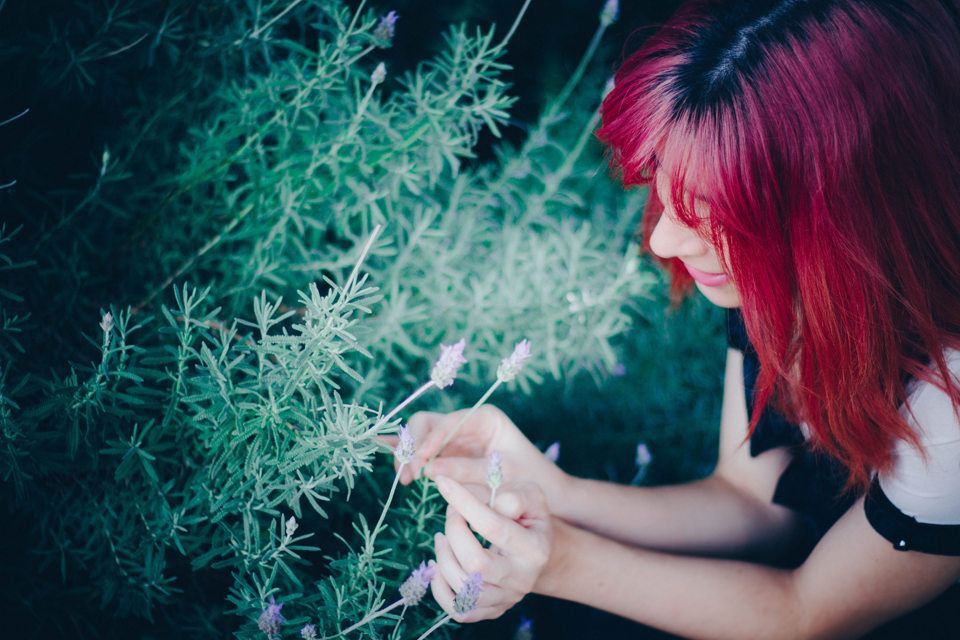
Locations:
(359, 55)
(641, 472)
(516, 23)
(469, 413)
(493, 494)
(385, 419)
(444, 620)
(578, 73)
(363, 256)
(383, 514)
(399, 620)
(260, 30)
(369, 617)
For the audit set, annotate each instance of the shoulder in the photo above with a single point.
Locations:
(920, 498)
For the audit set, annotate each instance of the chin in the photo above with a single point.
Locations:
(725, 296)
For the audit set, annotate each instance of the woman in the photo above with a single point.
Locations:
(804, 163)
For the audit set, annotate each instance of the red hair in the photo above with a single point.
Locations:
(825, 135)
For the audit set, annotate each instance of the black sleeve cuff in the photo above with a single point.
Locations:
(904, 532)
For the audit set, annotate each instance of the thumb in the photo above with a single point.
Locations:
(524, 503)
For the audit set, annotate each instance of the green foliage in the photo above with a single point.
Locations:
(187, 439)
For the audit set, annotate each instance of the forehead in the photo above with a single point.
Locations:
(663, 183)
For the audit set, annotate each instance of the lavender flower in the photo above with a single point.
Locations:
(405, 450)
(309, 632)
(644, 457)
(445, 370)
(379, 74)
(291, 527)
(470, 592)
(106, 323)
(610, 13)
(386, 29)
(494, 471)
(525, 630)
(510, 367)
(270, 619)
(553, 452)
(415, 587)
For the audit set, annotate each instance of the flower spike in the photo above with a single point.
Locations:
(510, 366)
(445, 370)
(470, 592)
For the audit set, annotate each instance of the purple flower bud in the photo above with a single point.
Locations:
(106, 323)
(470, 592)
(494, 471)
(510, 366)
(553, 452)
(386, 29)
(644, 457)
(270, 619)
(610, 13)
(309, 632)
(406, 450)
(525, 630)
(415, 587)
(445, 370)
(379, 74)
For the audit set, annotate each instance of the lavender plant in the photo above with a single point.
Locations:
(232, 395)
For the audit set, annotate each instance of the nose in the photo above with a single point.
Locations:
(671, 239)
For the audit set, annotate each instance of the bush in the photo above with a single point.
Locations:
(201, 343)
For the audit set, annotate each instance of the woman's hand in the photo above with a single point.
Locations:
(521, 538)
(465, 456)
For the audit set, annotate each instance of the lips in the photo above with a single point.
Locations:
(707, 279)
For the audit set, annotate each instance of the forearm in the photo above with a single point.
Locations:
(689, 596)
(707, 517)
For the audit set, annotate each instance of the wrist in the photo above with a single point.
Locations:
(559, 565)
(563, 495)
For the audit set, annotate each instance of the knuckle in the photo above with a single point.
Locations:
(476, 564)
(539, 557)
(499, 532)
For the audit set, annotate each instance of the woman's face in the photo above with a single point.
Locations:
(672, 239)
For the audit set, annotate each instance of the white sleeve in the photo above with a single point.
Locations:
(928, 489)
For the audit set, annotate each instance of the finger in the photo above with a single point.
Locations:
(447, 562)
(442, 591)
(509, 505)
(390, 441)
(469, 440)
(470, 554)
(489, 524)
(501, 531)
(423, 422)
(492, 603)
(463, 470)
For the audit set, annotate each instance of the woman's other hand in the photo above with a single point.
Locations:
(521, 537)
